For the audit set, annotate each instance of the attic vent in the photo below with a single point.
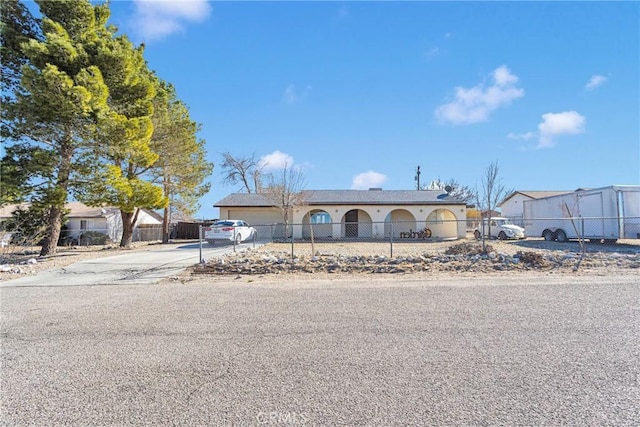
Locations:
(375, 189)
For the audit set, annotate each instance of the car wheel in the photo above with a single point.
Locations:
(561, 236)
(477, 234)
(548, 235)
(211, 242)
(502, 236)
(610, 241)
(238, 238)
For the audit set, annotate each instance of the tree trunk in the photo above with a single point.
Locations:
(127, 229)
(165, 225)
(166, 184)
(50, 242)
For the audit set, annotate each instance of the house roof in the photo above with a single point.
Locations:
(535, 194)
(78, 210)
(7, 210)
(347, 197)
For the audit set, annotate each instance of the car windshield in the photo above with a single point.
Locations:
(225, 224)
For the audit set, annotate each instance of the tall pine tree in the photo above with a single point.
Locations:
(53, 114)
(182, 165)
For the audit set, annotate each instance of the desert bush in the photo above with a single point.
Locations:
(468, 248)
(93, 238)
(533, 259)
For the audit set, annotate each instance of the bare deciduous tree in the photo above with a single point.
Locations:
(491, 192)
(244, 170)
(456, 190)
(286, 191)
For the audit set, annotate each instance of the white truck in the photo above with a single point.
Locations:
(602, 214)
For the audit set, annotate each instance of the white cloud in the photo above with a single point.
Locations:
(555, 124)
(474, 105)
(595, 81)
(292, 95)
(523, 136)
(155, 19)
(276, 161)
(367, 180)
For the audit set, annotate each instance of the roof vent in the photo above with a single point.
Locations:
(375, 189)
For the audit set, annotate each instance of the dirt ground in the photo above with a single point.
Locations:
(18, 262)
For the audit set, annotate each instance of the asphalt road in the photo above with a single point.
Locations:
(389, 350)
(135, 267)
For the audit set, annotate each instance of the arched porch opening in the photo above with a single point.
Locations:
(319, 221)
(403, 222)
(443, 224)
(357, 223)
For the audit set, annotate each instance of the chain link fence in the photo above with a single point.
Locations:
(412, 237)
(16, 238)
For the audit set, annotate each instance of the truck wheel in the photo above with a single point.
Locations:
(561, 236)
(477, 235)
(548, 235)
(502, 236)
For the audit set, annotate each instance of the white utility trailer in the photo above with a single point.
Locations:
(602, 214)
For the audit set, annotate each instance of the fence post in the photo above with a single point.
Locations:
(234, 239)
(391, 240)
(200, 240)
(292, 252)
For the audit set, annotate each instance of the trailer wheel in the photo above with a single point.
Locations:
(548, 235)
(561, 236)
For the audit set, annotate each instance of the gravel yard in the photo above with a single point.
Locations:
(461, 256)
(343, 257)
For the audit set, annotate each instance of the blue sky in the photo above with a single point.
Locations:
(360, 93)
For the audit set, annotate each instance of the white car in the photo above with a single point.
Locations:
(502, 228)
(233, 230)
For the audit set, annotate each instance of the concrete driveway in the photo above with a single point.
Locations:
(135, 267)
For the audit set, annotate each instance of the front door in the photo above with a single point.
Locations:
(351, 224)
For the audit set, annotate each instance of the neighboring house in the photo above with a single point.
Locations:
(512, 206)
(83, 219)
(355, 213)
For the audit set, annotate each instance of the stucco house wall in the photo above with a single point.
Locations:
(364, 214)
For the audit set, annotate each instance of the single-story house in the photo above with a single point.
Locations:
(372, 213)
(82, 219)
(512, 206)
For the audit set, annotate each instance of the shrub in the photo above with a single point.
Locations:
(533, 259)
(467, 248)
(93, 238)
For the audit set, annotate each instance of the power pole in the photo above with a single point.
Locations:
(417, 178)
